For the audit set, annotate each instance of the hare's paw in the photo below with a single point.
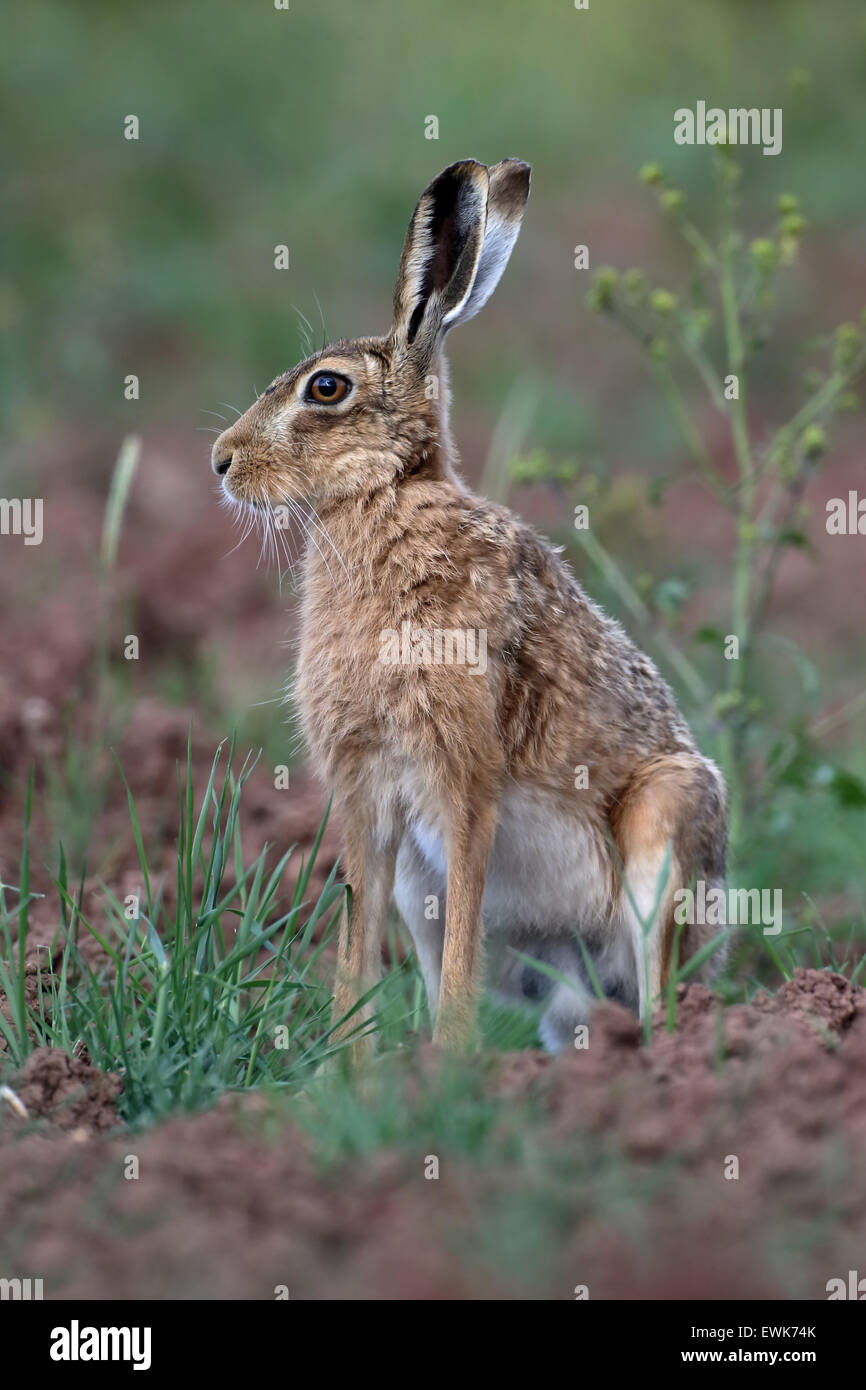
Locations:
(569, 1009)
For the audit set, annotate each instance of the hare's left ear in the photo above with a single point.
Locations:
(508, 190)
(456, 249)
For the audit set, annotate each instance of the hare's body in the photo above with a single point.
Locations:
(564, 689)
(546, 786)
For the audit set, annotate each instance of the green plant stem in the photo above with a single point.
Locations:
(673, 396)
(687, 673)
(696, 239)
(687, 428)
(822, 400)
(704, 367)
(745, 503)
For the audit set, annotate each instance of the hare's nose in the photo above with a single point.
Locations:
(223, 451)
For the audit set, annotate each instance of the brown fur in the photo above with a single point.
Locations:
(399, 538)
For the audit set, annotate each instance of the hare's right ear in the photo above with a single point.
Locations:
(457, 246)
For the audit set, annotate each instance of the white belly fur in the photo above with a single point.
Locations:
(547, 871)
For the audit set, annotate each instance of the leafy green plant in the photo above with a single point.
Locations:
(714, 331)
(733, 287)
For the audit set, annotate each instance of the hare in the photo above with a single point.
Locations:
(453, 676)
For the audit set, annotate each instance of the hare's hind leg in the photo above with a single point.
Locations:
(669, 825)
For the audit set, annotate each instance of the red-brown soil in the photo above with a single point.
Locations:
(631, 1145)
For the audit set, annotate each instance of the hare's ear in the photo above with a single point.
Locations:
(440, 256)
(508, 190)
(457, 246)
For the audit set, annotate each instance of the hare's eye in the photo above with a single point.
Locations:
(326, 388)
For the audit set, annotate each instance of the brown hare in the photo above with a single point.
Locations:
(453, 675)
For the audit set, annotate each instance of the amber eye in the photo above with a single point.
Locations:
(326, 388)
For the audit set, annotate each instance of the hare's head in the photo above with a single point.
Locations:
(358, 414)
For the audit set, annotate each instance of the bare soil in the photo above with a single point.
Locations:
(233, 1203)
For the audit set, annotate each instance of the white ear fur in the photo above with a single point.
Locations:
(506, 200)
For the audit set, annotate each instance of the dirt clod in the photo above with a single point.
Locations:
(70, 1093)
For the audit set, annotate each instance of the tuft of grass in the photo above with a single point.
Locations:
(224, 991)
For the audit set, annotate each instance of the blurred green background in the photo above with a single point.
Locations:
(307, 127)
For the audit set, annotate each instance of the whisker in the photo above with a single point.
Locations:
(281, 545)
(274, 541)
(233, 505)
(322, 317)
(215, 414)
(278, 544)
(306, 338)
(310, 537)
(323, 530)
(291, 568)
(237, 412)
(264, 524)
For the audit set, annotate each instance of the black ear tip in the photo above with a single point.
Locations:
(511, 179)
(461, 169)
(513, 169)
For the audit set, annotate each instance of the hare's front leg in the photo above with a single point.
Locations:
(419, 892)
(369, 864)
(472, 825)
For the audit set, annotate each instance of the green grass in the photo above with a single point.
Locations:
(224, 991)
